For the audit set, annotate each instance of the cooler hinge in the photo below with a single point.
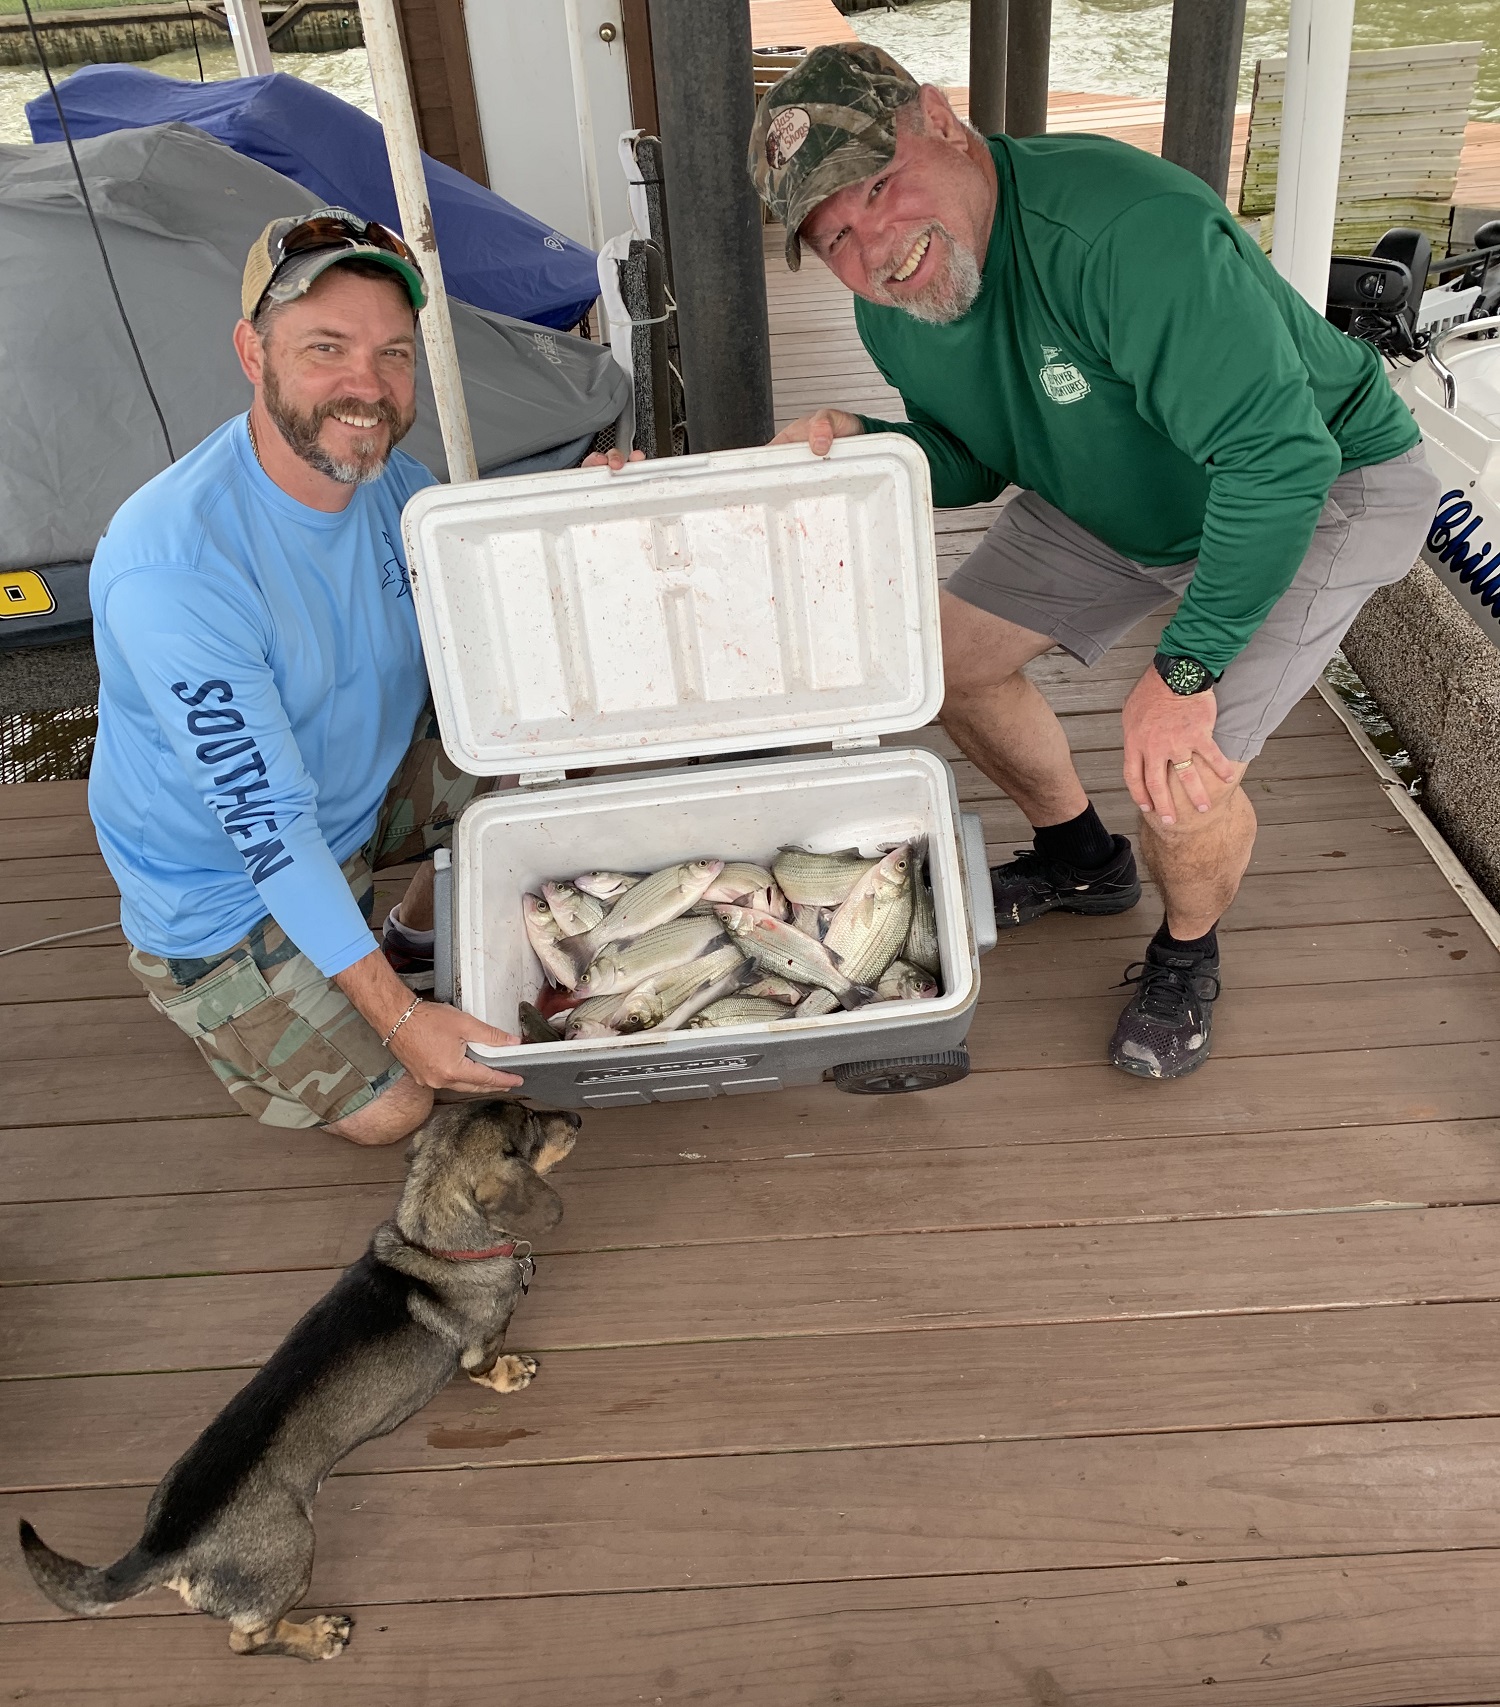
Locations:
(855, 743)
(539, 779)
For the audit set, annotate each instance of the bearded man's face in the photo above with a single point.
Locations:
(339, 376)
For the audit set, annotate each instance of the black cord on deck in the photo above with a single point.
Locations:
(62, 119)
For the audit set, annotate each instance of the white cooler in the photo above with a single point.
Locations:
(650, 625)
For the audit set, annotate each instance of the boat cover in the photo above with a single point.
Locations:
(493, 255)
(178, 212)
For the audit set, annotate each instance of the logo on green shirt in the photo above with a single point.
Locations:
(1062, 382)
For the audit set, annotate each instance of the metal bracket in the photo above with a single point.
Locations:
(855, 743)
(540, 779)
(444, 983)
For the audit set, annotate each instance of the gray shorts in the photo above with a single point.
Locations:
(1041, 571)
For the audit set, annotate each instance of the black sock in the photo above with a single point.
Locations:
(1083, 842)
(1206, 944)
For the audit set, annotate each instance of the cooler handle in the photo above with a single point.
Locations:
(981, 895)
(442, 934)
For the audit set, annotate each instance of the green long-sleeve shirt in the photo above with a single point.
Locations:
(1135, 359)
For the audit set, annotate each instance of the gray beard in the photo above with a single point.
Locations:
(951, 294)
(301, 433)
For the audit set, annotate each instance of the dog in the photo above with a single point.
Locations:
(230, 1526)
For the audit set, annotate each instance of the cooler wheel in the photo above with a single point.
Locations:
(905, 1073)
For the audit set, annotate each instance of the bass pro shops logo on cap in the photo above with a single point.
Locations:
(785, 135)
(1062, 382)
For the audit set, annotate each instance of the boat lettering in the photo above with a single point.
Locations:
(1453, 527)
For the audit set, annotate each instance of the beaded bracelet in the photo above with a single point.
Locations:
(416, 1002)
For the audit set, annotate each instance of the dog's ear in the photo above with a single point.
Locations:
(511, 1196)
(554, 1132)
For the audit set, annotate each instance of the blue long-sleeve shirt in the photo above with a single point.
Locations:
(260, 675)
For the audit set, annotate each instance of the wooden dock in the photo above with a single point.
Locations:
(1054, 1387)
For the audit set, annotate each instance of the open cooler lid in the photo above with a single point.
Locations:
(698, 605)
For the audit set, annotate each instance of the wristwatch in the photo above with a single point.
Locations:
(1184, 675)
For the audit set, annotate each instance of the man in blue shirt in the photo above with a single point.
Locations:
(265, 740)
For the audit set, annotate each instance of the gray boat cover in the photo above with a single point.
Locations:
(178, 212)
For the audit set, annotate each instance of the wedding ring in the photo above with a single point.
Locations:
(1182, 764)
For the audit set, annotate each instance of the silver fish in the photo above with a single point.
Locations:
(903, 982)
(682, 982)
(573, 910)
(706, 997)
(777, 947)
(607, 886)
(770, 988)
(819, 880)
(622, 966)
(535, 1027)
(599, 1016)
(922, 940)
(815, 1004)
(869, 929)
(737, 1010)
(809, 920)
(737, 880)
(655, 900)
(545, 935)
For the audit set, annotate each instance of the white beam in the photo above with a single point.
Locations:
(247, 30)
(393, 101)
(1312, 139)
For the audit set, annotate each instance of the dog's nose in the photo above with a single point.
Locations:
(573, 1120)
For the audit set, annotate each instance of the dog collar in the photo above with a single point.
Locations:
(508, 1249)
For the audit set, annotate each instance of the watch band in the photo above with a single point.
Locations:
(1185, 676)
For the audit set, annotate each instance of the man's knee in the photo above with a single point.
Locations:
(1227, 801)
(395, 1114)
(981, 652)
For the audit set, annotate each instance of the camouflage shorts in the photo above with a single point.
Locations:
(283, 1040)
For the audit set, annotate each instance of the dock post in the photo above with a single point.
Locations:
(399, 122)
(705, 95)
(1028, 55)
(988, 23)
(1312, 141)
(247, 29)
(1203, 73)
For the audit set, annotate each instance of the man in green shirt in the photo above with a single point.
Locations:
(1077, 318)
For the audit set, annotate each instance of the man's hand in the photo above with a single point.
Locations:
(818, 430)
(1167, 736)
(614, 460)
(431, 1047)
(430, 1044)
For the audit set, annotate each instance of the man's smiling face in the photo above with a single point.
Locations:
(339, 373)
(914, 235)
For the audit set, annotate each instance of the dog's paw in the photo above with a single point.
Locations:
(509, 1374)
(328, 1635)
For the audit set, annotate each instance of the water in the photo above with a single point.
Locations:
(345, 73)
(1119, 47)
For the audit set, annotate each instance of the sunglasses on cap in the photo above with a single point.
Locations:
(332, 228)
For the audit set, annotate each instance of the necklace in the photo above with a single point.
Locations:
(250, 428)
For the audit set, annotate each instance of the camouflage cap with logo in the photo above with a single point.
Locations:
(827, 124)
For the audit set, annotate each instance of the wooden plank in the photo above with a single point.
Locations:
(62, 877)
(768, 1519)
(56, 835)
(80, 971)
(1382, 1631)
(1022, 1383)
(44, 799)
(815, 1287)
(922, 1188)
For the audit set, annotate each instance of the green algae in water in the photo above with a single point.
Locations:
(1342, 677)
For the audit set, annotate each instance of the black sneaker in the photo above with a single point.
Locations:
(1031, 884)
(1165, 1029)
(412, 965)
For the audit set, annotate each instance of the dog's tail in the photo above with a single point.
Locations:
(86, 1589)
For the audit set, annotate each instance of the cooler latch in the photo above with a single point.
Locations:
(539, 779)
(855, 743)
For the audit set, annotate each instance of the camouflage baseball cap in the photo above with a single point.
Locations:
(827, 124)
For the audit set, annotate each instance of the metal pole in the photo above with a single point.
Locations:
(1312, 140)
(583, 105)
(988, 22)
(1203, 74)
(247, 30)
(1028, 54)
(706, 103)
(393, 100)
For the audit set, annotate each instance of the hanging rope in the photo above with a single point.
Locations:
(62, 119)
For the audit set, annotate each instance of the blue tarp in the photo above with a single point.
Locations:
(493, 255)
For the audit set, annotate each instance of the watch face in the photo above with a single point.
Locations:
(1183, 675)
